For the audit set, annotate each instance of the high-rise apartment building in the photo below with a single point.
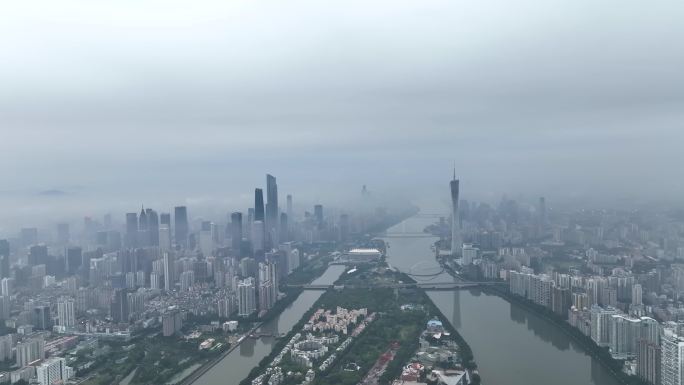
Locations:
(672, 358)
(169, 271)
(66, 312)
(625, 334)
(601, 324)
(30, 350)
(226, 306)
(246, 297)
(172, 322)
(164, 238)
(53, 371)
(6, 342)
(637, 295)
(468, 254)
(119, 306)
(187, 280)
(649, 362)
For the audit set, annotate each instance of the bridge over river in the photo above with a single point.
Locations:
(420, 285)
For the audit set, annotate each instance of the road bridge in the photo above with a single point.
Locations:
(420, 285)
(429, 215)
(407, 235)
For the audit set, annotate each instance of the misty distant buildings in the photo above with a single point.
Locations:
(236, 233)
(63, 236)
(165, 219)
(164, 238)
(542, 221)
(182, 229)
(318, 216)
(149, 228)
(257, 237)
(290, 211)
(206, 238)
(4, 259)
(131, 238)
(29, 236)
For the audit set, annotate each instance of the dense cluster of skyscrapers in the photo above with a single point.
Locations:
(153, 270)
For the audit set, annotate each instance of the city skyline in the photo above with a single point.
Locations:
(569, 125)
(622, 277)
(370, 192)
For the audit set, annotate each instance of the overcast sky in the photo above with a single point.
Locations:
(124, 102)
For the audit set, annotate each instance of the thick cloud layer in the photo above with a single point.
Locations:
(118, 102)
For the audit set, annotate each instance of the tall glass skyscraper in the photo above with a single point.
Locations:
(271, 210)
(180, 217)
(258, 204)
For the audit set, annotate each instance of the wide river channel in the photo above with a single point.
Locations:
(236, 366)
(512, 346)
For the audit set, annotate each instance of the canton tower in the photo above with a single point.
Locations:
(456, 241)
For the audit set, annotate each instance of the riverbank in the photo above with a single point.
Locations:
(309, 271)
(602, 355)
(199, 372)
(236, 366)
(467, 356)
(401, 317)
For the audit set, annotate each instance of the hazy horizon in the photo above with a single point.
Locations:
(118, 104)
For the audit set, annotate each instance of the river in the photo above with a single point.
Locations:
(511, 345)
(236, 366)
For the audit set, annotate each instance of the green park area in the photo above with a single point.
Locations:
(400, 317)
(155, 359)
(392, 325)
